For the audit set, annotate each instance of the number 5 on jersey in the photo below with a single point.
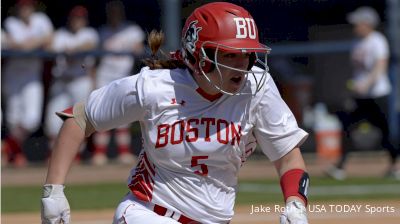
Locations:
(203, 170)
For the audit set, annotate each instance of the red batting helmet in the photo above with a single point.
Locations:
(219, 26)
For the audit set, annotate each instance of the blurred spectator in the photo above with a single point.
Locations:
(72, 81)
(116, 36)
(370, 86)
(22, 78)
(4, 40)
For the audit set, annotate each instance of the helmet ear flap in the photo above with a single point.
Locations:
(252, 61)
(191, 59)
(206, 65)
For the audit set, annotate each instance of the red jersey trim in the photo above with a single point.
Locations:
(142, 182)
(65, 114)
(207, 96)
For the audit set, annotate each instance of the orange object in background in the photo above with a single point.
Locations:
(328, 144)
(328, 133)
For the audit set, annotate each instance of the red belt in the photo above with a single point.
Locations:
(160, 210)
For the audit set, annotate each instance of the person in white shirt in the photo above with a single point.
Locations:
(201, 113)
(22, 76)
(116, 36)
(370, 86)
(72, 79)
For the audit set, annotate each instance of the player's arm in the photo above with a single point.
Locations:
(65, 149)
(87, 42)
(106, 108)
(34, 42)
(291, 168)
(294, 182)
(378, 70)
(55, 206)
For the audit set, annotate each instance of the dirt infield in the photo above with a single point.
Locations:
(327, 213)
(373, 165)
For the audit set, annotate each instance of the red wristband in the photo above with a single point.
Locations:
(295, 183)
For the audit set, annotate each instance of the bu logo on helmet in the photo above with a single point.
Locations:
(192, 36)
(245, 27)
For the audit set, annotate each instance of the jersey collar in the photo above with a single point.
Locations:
(207, 96)
(200, 91)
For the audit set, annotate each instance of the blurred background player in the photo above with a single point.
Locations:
(370, 86)
(118, 35)
(72, 75)
(22, 86)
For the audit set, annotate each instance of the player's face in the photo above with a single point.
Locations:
(76, 23)
(362, 29)
(231, 80)
(25, 11)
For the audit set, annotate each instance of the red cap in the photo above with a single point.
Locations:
(78, 11)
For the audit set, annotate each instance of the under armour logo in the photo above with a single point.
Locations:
(182, 103)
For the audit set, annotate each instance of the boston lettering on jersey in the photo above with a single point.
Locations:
(190, 130)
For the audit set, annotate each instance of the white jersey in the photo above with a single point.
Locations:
(193, 144)
(64, 40)
(19, 71)
(72, 83)
(113, 67)
(22, 76)
(364, 56)
(39, 26)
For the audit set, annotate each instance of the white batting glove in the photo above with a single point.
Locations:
(55, 207)
(295, 213)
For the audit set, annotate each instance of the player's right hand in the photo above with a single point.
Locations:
(55, 206)
(295, 213)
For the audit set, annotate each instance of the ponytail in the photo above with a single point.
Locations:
(155, 40)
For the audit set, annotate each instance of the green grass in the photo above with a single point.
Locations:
(324, 181)
(93, 196)
(107, 196)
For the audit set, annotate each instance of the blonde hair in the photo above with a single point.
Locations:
(155, 40)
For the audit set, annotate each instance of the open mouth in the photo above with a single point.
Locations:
(237, 79)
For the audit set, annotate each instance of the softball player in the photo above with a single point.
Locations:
(23, 88)
(71, 82)
(118, 36)
(201, 113)
(370, 87)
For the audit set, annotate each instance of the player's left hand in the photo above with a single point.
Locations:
(295, 213)
(55, 206)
